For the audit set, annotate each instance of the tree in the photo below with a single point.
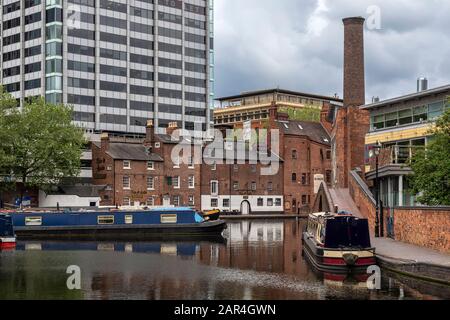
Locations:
(39, 145)
(431, 166)
(308, 113)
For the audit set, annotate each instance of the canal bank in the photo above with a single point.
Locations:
(262, 217)
(413, 261)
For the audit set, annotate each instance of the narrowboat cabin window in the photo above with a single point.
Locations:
(33, 221)
(168, 218)
(128, 219)
(105, 219)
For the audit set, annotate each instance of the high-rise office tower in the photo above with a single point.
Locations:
(117, 62)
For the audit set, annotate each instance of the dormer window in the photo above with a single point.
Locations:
(127, 164)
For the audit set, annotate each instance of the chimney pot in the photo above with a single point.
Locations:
(422, 84)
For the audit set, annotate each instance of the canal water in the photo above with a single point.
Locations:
(257, 260)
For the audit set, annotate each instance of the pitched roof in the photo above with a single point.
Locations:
(129, 151)
(313, 130)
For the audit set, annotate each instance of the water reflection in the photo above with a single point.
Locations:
(260, 260)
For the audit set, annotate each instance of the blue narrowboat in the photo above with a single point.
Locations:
(160, 223)
(7, 237)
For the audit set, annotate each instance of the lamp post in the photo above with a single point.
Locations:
(377, 150)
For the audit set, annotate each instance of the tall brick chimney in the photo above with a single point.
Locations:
(104, 140)
(149, 134)
(172, 127)
(352, 123)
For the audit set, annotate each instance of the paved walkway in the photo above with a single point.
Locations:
(409, 253)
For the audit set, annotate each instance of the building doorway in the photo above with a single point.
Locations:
(166, 201)
(245, 208)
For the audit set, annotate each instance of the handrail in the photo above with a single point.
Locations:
(363, 186)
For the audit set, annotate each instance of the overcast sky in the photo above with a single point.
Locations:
(298, 45)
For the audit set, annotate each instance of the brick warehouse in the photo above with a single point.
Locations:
(140, 172)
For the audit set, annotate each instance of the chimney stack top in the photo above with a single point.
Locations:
(353, 20)
(149, 123)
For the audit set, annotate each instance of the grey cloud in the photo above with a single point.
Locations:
(298, 45)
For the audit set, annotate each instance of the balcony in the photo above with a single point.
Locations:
(393, 160)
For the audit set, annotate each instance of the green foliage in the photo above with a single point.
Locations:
(431, 166)
(302, 114)
(39, 145)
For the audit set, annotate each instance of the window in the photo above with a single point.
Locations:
(105, 220)
(150, 201)
(294, 177)
(235, 186)
(405, 116)
(214, 187)
(253, 168)
(304, 199)
(253, 186)
(420, 114)
(294, 154)
(260, 202)
(176, 201)
(328, 154)
(214, 167)
(235, 168)
(150, 183)
(191, 201)
(270, 202)
(157, 145)
(128, 219)
(168, 218)
(226, 203)
(214, 203)
(126, 182)
(126, 202)
(278, 202)
(304, 180)
(150, 165)
(270, 186)
(126, 164)
(328, 176)
(190, 162)
(191, 182)
(176, 182)
(33, 221)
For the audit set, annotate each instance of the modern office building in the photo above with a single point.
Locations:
(119, 63)
(402, 126)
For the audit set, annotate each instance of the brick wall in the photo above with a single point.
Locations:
(425, 227)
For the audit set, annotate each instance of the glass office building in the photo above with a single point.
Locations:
(118, 63)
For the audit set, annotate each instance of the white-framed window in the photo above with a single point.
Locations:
(226, 203)
(150, 183)
(270, 186)
(214, 203)
(191, 201)
(191, 162)
(176, 201)
(127, 164)
(260, 202)
(214, 187)
(157, 145)
(128, 219)
(270, 202)
(105, 220)
(169, 218)
(126, 201)
(214, 167)
(126, 183)
(150, 201)
(33, 221)
(191, 182)
(235, 185)
(278, 202)
(176, 182)
(150, 165)
(253, 186)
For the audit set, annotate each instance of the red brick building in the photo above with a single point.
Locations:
(140, 172)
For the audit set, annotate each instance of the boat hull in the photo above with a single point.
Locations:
(205, 230)
(7, 243)
(332, 260)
